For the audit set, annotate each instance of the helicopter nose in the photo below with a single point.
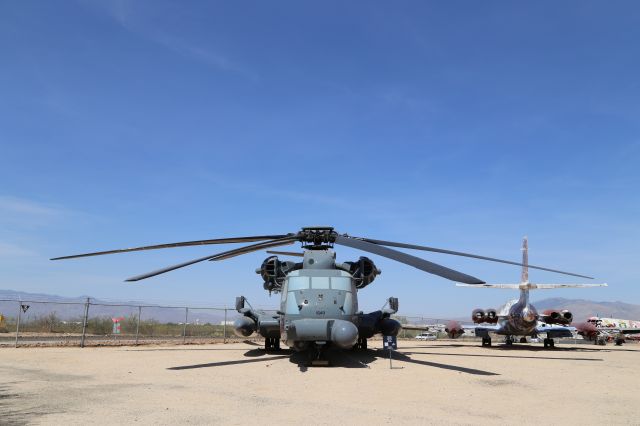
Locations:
(344, 334)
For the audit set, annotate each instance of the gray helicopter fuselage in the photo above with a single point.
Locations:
(314, 303)
(319, 303)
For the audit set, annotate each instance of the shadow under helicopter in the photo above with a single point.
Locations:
(524, 347)
(182, 349)
(337, 359)
(502, 356)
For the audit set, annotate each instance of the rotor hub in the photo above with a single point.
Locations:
(317, 237)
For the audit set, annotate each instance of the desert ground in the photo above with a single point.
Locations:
(446, 382)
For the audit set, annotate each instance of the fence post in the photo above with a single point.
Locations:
(224, 327)
(18, 322)
(184, 329)
(138, 323)
(84, 322)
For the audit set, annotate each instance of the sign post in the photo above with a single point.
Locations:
(21, 308)
(390, 343)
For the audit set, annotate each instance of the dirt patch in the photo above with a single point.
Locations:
(430, 383)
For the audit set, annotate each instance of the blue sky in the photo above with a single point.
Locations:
(462, 125)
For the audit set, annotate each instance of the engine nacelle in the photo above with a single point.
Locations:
(478, 316)
(389, 327)
(552, 316)
(244, 327)
(454, 329)
(377, 322)
(364, 271)
(587, 330)
(274, 272)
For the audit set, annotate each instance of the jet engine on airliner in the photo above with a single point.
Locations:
(552, 316)
(587, 330)
(454, 329)
(480, 316)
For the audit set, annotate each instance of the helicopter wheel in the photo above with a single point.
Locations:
(361, 344)
(316, 355)
(271, 344)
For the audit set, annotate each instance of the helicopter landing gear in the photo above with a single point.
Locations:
(271, 344)
(486, 341)
(549, 343)
(361, 344)
(316, 353)
(523, 339)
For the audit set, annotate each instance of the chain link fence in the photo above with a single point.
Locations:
(57, 323)
(435, 326)
(43, 323)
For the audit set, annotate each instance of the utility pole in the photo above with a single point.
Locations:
(224, 327)
(138, 323)
(184, 329)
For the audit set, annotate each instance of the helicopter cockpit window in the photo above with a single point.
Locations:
(298, 283)
(341, 283)
(320, 282)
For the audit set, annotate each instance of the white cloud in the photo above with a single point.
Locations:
(200, 54)
(263, 190)
(12, 205)
(124, 14)
(20, 213)
(12, 250)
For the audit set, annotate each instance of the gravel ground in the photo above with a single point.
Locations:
(430, 383)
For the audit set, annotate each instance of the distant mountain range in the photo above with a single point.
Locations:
(583, 309)
(73, 307)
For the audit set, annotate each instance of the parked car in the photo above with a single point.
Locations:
(426, 336)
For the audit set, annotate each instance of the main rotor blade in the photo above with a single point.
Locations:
(218, 256)
(286, 253)
(181, 244)
(168, 269)
(458, 253)
(255, 247)
(416, 262)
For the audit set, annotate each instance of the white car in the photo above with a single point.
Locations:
(426, 336)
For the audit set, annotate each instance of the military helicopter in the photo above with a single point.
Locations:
(319, 303)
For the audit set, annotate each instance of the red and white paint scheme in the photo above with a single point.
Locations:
(613, 323)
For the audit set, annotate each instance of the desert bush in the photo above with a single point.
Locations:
(49, 323)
